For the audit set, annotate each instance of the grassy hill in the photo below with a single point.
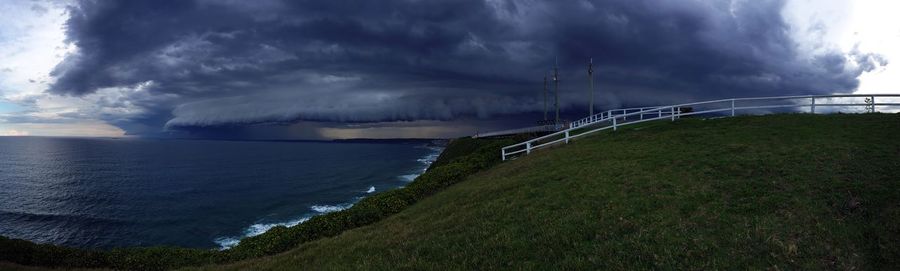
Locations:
(773, 192)
(770, 192)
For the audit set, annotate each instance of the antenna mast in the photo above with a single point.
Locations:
(556, 82)
(545, 96)
(591, 80)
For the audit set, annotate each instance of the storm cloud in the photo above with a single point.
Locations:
(188, 64)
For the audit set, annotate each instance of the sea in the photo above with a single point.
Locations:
(128, 192)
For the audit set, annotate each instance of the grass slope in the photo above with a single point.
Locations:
(773, 192)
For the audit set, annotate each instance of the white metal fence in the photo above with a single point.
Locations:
(603, 115)
(613, 119)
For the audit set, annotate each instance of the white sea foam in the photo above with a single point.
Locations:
(426, 162)
(226, 242)
(254, 230)
(330, 208)
(260, 228)
(409, 177)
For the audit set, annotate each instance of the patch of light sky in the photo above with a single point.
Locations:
(32, 42)
(875, 26)
(869, 26)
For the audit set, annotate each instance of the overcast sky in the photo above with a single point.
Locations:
(270, 69)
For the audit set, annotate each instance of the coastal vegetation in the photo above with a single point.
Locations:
(791, 191)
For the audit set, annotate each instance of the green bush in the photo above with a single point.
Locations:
(460, 158)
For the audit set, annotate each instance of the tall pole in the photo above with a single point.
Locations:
(591, 80)
(556, 82)
(545, 96)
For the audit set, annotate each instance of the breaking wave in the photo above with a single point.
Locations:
(254, 230)
(324, 209)
(260, 228)
(425, 162)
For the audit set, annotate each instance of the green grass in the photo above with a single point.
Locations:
(772, 192)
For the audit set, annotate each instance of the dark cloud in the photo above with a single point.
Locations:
(226, 63)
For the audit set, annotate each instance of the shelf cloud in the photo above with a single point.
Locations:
(194, 64)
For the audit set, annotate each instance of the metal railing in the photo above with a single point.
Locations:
(725, 107)
(602, 116)
(532, 129)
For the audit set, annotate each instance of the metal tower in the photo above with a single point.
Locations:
(591, 80)
(556, 83)
(545, 97)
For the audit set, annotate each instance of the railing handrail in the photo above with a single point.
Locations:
(643, 109)
(587, 119)
(670, 112)
(578, 127)
(537, 128)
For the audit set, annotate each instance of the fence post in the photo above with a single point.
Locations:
(660, 112)
(673, 113)
(873, 104)
(528, 147)
(567, 136)
(614, 124)
(732, 107)
(624, 112)
(812, 105)
(503, 154)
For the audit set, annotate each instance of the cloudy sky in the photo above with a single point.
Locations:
(280, 69)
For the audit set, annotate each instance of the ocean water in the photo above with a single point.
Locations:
(103, 193)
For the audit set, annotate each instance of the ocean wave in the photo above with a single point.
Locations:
(330, 208)
(409, 177)
(260, 228)
(254, 230)
(425, 161)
